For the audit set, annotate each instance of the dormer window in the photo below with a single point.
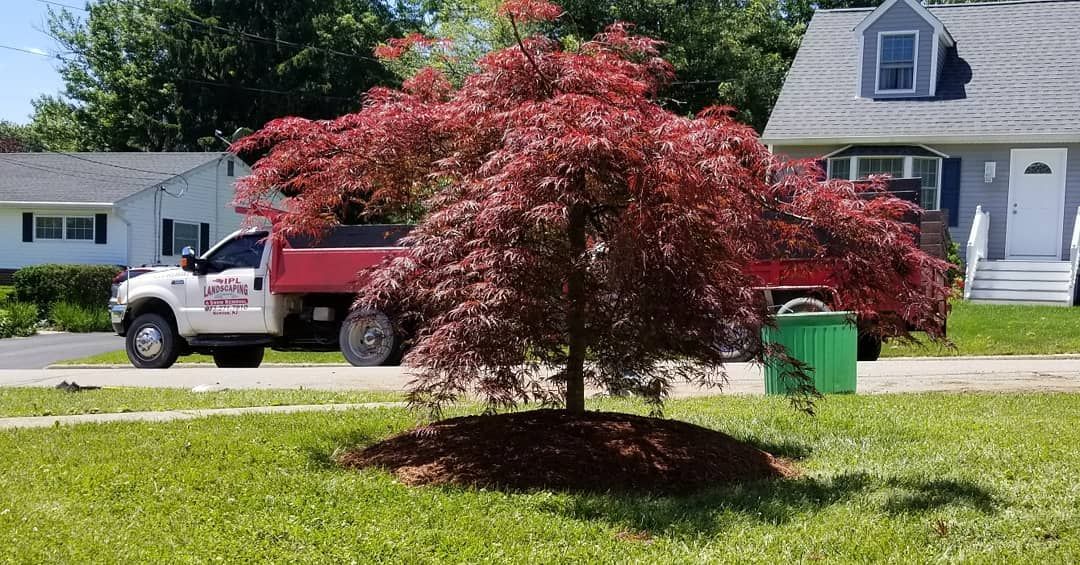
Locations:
(897, 57)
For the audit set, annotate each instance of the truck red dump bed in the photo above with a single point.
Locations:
(330, 264)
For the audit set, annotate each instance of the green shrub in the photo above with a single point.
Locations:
(18, 319)
(85, 285)
(75, 318)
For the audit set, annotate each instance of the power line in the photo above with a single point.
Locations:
(88, 175)
(27, 51)
(245, 35)
(266, 90)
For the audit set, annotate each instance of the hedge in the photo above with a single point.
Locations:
(85, 285)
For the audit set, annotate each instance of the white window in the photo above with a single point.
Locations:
(897, 60)
(76, 228)
(926, 168)
(185, 235)
(48, 227)
(79, 227)
(892, 166)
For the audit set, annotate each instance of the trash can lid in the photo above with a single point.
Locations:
(814, 319)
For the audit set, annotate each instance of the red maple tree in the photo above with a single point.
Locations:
(576, 232)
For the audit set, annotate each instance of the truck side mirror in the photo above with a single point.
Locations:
(187, 259)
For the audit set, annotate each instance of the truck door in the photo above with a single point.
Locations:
(230, 295)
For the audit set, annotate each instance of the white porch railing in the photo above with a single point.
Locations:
(1074, 258)
(977, 245)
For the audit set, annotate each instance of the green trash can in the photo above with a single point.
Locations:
(826, 341)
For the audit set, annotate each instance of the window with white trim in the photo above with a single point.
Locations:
(926, 168)
(48, 227)
(185, 235)
(896, 61)
(892, 166)
(72, 228)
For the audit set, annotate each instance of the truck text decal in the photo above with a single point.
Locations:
(225, 296)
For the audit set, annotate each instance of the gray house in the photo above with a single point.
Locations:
(979, 101)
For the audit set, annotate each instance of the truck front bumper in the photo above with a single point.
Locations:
(116, 316)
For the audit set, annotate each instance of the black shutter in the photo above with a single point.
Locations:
(101, 229)
(28, 226)
(824, 165)
(204, 238)
(166, 237)
(950, 189)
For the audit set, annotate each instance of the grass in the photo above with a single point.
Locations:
(296, 357)
(34, 401)
(916, 478)
(990, 329)
(5, 292)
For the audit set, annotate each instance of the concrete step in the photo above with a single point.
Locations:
(1025, 266)
(1023, 296)
(1009, 284)
(1043, 276)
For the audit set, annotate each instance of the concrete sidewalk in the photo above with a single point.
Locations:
(173, 415)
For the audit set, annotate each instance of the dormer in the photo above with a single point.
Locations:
(902, 47)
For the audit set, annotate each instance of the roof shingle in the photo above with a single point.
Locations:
(89, 177)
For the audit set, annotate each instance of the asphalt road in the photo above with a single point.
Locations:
(1013, 374)
(39, 351)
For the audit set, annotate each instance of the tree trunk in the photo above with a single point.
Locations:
(575, 315)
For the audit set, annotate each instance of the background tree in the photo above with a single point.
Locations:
(165, 74)
(15, 138)
(572, 217)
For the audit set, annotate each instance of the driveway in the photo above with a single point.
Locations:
(39, 351)
(1014, 374)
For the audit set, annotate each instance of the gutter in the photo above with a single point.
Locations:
(1013, 139)
(26, 203)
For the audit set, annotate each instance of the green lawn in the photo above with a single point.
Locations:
(34, 401)
(903, 478)
(299, 357)
(988, 329)
(5, 292)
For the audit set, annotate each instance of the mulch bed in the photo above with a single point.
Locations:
(550, 449)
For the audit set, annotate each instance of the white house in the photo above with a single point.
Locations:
(113, 208)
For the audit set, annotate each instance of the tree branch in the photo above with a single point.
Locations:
(532, 61)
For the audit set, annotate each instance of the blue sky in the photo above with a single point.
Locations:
(24, 76)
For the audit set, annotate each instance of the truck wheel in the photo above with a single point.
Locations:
(247, 357)
(151, 342)
(736, 354)
(868, 347)
(367, 339)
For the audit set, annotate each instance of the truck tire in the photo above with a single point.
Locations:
(245, 357)
(152, 342)
(736, 354)
(367, 339)
(868, 347)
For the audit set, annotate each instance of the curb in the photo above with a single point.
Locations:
(26, 422)
(55, 367)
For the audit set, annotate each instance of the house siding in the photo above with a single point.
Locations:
(898, 18)
(16, 253)
(206, 197)
(993, 196)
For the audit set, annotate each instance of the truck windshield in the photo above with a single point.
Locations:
(243, 251)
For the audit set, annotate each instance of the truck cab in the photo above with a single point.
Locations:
(224, 304)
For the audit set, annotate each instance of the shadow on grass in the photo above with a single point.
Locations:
(771, 502)
(324, 455)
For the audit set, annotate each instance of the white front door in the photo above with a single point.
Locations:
(1036, 203)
